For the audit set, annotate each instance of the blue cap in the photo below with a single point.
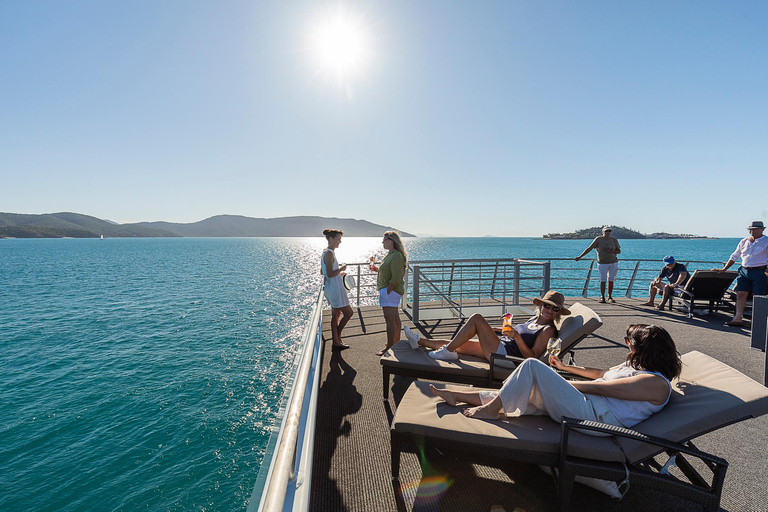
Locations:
(668, 260)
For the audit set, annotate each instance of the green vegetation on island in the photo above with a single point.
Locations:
(76, 225)
(617, 232)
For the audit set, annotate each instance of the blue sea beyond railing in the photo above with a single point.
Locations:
(146, 373)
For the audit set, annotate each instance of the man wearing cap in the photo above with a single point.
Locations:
(607, 248)
(753, 252)
(677, 275)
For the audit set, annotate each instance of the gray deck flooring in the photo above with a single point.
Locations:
(351, 468)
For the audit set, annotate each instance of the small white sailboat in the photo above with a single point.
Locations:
(102, 237)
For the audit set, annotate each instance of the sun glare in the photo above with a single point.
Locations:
(340, 45)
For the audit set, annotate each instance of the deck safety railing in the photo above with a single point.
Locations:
(458, 288)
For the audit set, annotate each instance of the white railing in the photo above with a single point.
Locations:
(286, 485)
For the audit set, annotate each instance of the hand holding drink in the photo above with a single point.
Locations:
(554, 345)
(506, 326)
(371, 266)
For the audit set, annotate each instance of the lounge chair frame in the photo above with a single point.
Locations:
(646, 472)
(705, 286)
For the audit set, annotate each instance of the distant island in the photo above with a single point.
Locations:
(617, 232)
(76, 225)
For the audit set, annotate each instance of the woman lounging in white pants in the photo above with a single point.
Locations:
(622, 396)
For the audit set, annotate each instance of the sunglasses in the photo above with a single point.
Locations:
(555, 309)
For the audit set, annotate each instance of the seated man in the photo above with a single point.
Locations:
(677, 275)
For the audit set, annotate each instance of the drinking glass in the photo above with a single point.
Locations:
(554, 345)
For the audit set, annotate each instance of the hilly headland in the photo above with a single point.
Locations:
(76, 225)
(617, 232)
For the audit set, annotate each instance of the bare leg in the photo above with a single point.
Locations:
(602, 291)
(665, 296)
(651, 295)
(741, 303)
(610, 289)
(489, 411)
(452, 396)
(335, 336)
(347, 312)
(487, 343)
(392, 318)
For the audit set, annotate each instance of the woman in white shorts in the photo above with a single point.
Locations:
(391, 285)
(335, 292)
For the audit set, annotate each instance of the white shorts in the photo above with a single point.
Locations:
(607, 271)
(391, 300)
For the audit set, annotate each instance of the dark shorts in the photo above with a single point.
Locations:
(510, 346)
(753, 280)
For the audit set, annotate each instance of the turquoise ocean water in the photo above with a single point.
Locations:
(146, 373)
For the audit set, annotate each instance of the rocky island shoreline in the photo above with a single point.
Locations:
(619, 232)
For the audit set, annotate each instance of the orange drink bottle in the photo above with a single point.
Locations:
(506, 327)
(370, 266)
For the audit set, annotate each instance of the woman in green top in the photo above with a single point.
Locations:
(391, 285)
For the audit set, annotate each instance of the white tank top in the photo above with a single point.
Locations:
(631, 412)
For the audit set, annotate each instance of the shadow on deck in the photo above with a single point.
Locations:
(351, 469)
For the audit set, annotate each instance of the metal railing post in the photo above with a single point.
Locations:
(416, 277)
(517, 283)
(493, 282)
(545, 278)
(404, 299)
(632, 281)
(358, 286)
(586, 283)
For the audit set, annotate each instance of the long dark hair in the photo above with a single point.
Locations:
(651, 349)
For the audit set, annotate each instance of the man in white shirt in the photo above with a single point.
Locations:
(753, 252)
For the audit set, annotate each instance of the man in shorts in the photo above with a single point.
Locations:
(675, 273)
(753, 252)
(607, 248)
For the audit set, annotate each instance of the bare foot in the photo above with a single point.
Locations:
(381, 352)
(481, 413)
(660, 307)
(651, 304)
(445, 394)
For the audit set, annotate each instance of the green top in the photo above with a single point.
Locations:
(392, 271)
(602, 244)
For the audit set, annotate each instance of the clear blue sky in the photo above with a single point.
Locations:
(510, 118)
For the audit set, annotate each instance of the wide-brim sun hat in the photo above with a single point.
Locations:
(349, 282)
(553, 298)
(757, 224)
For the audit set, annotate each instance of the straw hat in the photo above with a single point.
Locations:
(757, 224)
(553, 298)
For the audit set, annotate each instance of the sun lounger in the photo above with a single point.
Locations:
(707, 396)
(704, 286)
(401, 359)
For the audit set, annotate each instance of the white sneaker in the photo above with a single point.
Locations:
(413, 337)
(444, 354)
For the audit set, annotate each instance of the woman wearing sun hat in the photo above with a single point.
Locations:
(528, 339)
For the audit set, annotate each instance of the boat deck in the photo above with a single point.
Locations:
(351, 468)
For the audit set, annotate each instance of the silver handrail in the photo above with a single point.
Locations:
(283, 466)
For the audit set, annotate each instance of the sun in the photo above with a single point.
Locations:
(340, 44)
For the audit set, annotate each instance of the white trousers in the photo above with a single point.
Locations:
(534, 388)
